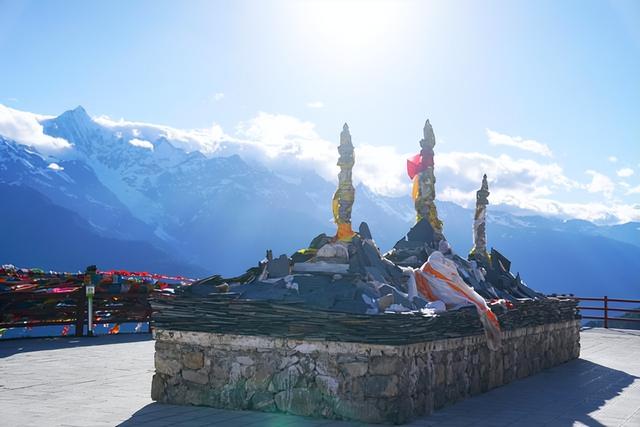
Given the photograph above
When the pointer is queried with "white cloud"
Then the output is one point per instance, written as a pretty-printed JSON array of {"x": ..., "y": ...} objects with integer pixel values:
[
  {"x": 26, "y": 129},
  {"x": 382, "y": 169},
  {"x": 315, "y": 104},
  {"x": 496, "y": 138},
  {"x": 141, "y": 143},
  {"x": 592, "y": 211},
  {"x": 288, "y": 144},
  {"x": 218, "y": 96},
  {"x": 513, "y": 181},
  {"x": 274, "y": 138},
  {"x": 612, "y": 159},
  {"x": 206, "y": 141},
  {"x": 56, "y": 167},
  {"x": 625, "y": 172},
  {"x": 600, "y": 184},
  {"x": 285, "y": 141}
]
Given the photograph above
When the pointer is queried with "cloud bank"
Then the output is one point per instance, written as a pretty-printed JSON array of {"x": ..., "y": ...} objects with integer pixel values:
[
  {"x": 26, "y": 129},
  {"x": 291, "y": 146},
  {"x": 206, "y": 141}
]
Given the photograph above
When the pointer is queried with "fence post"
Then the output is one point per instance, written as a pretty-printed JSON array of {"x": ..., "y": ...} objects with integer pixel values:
[
  {"x": 80, "y": 307},
  {"x": 606, "y": 312}
]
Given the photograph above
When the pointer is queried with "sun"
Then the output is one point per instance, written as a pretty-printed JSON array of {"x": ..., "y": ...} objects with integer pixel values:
[{"x": 349, "y": 28}]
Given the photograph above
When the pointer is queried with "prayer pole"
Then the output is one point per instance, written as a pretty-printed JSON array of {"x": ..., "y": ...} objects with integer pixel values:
[
  {"x": 344, "y": 195},
  {"x": 424, "y": 191},
  {"x": 479, "y": 250}
]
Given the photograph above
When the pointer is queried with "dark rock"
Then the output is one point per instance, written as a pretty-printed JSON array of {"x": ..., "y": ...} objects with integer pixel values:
[
  {"x": 319, "y": 241},
  {"x": 385, "y": 301},
  {"x": 301, "y": 256},
  {"x": 222, "y": 288},
  {"x": 372, "y": 255},
  {"x": 398, "y": 298},
  {"x": 263, "y": 290},
  {"x": 421, "y": 232},
  {"x": 375, "y": 273},
  {"x": 357, "y": 260},
  {"x": 419, "y": 302},
  {"x": 499, "y": 261},
  {"x": 278, "y": 267},
  {"x": 392, "y": 269},
  {"x": 364, "y": 231},
  {"x": 404, "y": 244}
]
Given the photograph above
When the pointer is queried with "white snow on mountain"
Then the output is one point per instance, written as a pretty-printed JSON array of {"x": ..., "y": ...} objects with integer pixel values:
[{"x": 55, "y": 167}]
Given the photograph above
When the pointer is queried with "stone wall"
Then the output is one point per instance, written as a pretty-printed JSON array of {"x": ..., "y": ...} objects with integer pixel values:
[{"x": 367, "y": 382}]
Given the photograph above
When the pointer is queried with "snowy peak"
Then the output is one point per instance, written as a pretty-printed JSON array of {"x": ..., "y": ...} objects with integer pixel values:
[
  {"x": 164, "y": 151},
  {"x": 77, "y": 118}
]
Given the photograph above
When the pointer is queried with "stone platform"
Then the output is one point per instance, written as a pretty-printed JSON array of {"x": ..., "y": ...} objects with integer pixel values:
[
  {"x": 345, "y": 380},
  {"x": 47, "y": 381}
]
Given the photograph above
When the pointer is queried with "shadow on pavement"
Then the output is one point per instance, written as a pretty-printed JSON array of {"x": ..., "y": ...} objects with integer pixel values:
[
  {"x": 11, "y": 347},
  {"x": 563, "y": 396},
  {"x": 560, "y": 396},
  {"x": 156, "y": 413}
]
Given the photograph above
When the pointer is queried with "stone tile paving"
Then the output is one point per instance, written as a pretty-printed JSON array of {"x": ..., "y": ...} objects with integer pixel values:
[{"x": 106, "y": 381}]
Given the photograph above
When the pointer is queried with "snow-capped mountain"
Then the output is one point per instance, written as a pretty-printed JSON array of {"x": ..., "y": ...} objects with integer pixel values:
[
  {"x": 145, "y": 185},
  {"x": 74, "y": 185}
]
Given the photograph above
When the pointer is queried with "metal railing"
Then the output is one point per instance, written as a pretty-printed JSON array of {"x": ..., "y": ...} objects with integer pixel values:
[
  {"x": 606, "y": 309},
  {"x": 33, "y": 309}
]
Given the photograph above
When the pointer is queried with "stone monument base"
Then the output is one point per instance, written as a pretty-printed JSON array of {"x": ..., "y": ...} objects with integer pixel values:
[{"x": 345, "y": 380}]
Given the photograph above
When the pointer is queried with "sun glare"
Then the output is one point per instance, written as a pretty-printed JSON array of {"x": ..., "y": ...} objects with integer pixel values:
[{"x": 350, "y": 27}]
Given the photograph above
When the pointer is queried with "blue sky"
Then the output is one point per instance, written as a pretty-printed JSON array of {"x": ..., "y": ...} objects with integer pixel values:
[{"x": 562, "y": 75}]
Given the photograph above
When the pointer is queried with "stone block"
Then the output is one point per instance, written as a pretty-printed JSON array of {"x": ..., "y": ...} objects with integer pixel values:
[
  {"x": 327, "y": 385},
  {"x": 304, "y": 402},
  {"x": 193, "y": 360},
  {"x": 262, "y": 401},
  {"x": 286, "y": 379},
  {"x": 354, "y": 369},
  {"x": 158, "y": 388},
  {"x": 381, "y": 386},
  {"x": 166, "y": 365},
  {"x": 385, "y": 365},
  {"x": 195, "y": 376}
]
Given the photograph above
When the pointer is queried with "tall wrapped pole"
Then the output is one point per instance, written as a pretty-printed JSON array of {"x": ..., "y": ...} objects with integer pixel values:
[
  {"x": 420, "y": 169},
  {"x": 479, "y": 250},
  {"x": 345, "y": 194}
]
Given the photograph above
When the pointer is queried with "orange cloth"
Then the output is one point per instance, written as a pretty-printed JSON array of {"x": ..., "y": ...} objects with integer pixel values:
[{"x": 345, "y": 233}]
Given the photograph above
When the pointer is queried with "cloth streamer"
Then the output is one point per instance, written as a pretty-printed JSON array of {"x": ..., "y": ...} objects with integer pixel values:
[{"x": 438, "y": 280}]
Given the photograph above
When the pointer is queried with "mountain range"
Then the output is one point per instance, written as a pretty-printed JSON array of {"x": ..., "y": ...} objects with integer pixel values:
[{"x": 133, "y": 198}]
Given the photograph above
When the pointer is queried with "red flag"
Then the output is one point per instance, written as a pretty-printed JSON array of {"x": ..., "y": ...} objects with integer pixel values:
[
  {"x": 418, "y": 163},
  {"x": 414, "y": 165}
]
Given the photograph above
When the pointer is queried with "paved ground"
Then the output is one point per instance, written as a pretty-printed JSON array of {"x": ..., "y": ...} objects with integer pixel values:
[{"x": 106, "y": 381}]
